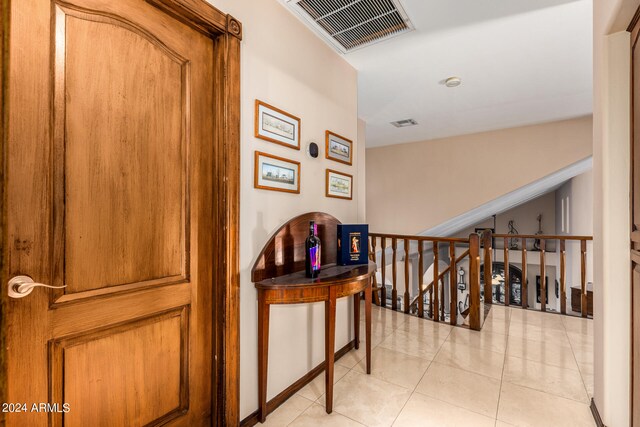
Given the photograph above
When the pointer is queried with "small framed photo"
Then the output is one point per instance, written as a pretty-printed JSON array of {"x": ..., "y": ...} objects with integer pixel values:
[
  {"x": 277, "y": 126},
  {"x": 339, "y": 185},
  {"x": 338, "y": 148},
  {"x": 276, "y": 173}
]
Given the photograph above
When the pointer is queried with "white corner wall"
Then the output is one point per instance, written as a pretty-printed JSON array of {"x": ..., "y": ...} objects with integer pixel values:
[
  {"x": 579, "y": 207},
  {"x": 611, "y": 138},
  {"x": 612, "y": 288},
  {"x": 286, "y": 65},
  {"x": 574, "y": 216}
]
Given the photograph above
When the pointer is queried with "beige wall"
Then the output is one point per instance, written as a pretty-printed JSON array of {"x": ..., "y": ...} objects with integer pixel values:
[
  {"x": 361, "y": 178},
  {"x": 416, "y": 186},
  {"x": 611, "y": 209},
  {"x": 286, "y": 65}
]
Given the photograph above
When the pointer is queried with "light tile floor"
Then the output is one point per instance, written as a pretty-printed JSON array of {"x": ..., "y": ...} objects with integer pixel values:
[{"x": 525, "y": 368}]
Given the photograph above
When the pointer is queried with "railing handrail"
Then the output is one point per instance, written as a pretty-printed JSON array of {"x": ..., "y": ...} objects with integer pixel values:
[
  {"x": 541, "y": 236},
  {"x": 418, "y": 238}
]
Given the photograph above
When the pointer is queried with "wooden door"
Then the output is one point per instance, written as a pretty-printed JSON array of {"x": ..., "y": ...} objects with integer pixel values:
[
  {"x": 635, "y": 221},
  {"x": 114, "y": 190}
]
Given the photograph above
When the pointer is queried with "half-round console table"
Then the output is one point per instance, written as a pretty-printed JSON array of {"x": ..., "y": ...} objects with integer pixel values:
[{"x": 289, "y": 286}]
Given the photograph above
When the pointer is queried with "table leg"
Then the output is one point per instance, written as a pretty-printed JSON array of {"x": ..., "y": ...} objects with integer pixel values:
[
  {"x": 329, "y": 344},
  {"x": 263, "y": 354},
  {"x": 367, "y": 310},
  {"x": 356, "y": 318}
]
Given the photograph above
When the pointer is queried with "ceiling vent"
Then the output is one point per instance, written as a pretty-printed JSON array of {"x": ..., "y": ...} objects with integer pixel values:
[
  {"x": 353, "y": 24},
  {"x": 404, "y": 123}
]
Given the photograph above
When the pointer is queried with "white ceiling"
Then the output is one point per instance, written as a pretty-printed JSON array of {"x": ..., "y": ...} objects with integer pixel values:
[{"x": 521, "y": 62}]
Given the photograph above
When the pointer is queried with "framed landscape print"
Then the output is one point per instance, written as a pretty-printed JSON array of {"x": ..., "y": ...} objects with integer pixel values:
[
  {"x": 339, "y": 185},
  {"x": 277, "y": 126},
  {"x": 276, "y": 173},
  {"x": 338, "y": 148}
]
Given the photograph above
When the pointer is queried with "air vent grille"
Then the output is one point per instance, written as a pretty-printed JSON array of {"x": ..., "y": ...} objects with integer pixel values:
[
  {"x": 404, "y": 123},
  {"x": 352, "y": 24}
]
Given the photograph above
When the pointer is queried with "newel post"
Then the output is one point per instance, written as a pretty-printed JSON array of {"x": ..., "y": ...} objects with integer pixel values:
[{"x": 475, "y": 306}]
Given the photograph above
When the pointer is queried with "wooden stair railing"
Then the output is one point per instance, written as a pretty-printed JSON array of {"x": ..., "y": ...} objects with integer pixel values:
[
  {"x": 544, "y": 242},
  {"x": 436, "y": 287},
  {"x": 420, "y": 297},
  {"x": 374, "y": 287},
  {"x": 481, "y": 251}
]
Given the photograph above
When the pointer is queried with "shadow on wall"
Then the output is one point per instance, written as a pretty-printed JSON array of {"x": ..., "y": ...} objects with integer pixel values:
[
  {"x": 259, "y": 234},
  {"x": 435, "y": 15}
]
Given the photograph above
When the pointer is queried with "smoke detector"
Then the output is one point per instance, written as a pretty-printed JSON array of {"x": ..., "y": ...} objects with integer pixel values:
[{"x": 453, "y": 82}]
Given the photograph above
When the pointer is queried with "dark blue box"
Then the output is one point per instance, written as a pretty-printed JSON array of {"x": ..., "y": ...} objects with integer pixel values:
[{"x": 353, "y": 244}]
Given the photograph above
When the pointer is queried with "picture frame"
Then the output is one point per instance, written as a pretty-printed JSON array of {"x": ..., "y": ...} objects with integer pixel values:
[
  {"x": 338, "y": 148},
  {"x": 275, "y": 125},
  {"x": 339, "y": 185},
  {"x": 276, "y": 173}
]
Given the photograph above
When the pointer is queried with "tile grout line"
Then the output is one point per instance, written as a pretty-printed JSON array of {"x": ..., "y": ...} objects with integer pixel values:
[
  {"x": 303, "y": 411},
  {"x": 394, "y": 329},
  {"x": 507, "y": 336},
  {"x": 576, "y": 360},
  {"x": 542, "y": 363},
  {"x": 423, "y": 375},
  {"x": 455, "y": 367},
  {"x": 546, "y": 363},
  {"x": 405, "y": 403},
  {"x": 548, "y": 394},
  {"x": 410, "y": 396},
  {"x": 317, "y": 401},
  {"x": 453, "y": 404},
  {"x": 504, "y": 363},
  {"x": 467, "y": 369}
]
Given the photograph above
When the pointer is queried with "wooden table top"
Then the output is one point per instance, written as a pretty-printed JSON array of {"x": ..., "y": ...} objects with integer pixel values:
[
  {"x": 579, "y": 287},
  {"x": 329, "y": 275}
]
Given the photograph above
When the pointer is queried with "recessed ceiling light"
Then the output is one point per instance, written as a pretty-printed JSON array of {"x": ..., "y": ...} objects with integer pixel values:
[{"x": 453, "y": 82}]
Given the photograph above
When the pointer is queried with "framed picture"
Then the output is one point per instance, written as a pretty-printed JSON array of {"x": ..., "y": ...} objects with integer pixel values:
[
  {"x": 338, "y": 148},
  {"x": 276, "y": 173},
  {"x": 277, "y": 126},
  {"x": 339, "y": 185}
]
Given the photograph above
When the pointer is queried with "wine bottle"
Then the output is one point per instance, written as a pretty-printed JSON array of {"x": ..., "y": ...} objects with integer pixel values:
[{"x": 312, "y": 248}]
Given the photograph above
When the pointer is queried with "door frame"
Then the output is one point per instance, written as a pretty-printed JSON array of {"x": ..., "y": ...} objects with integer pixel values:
[
  {"x": 226, "y": 33},
  {"x": 633, "y": 29}
]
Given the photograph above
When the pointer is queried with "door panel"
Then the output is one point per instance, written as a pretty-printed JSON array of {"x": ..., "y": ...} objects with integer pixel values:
[
  {"x": 122, "y": 387},
  {"x": 110, "y": 193},
  {"x": 107, "y": 179}
]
